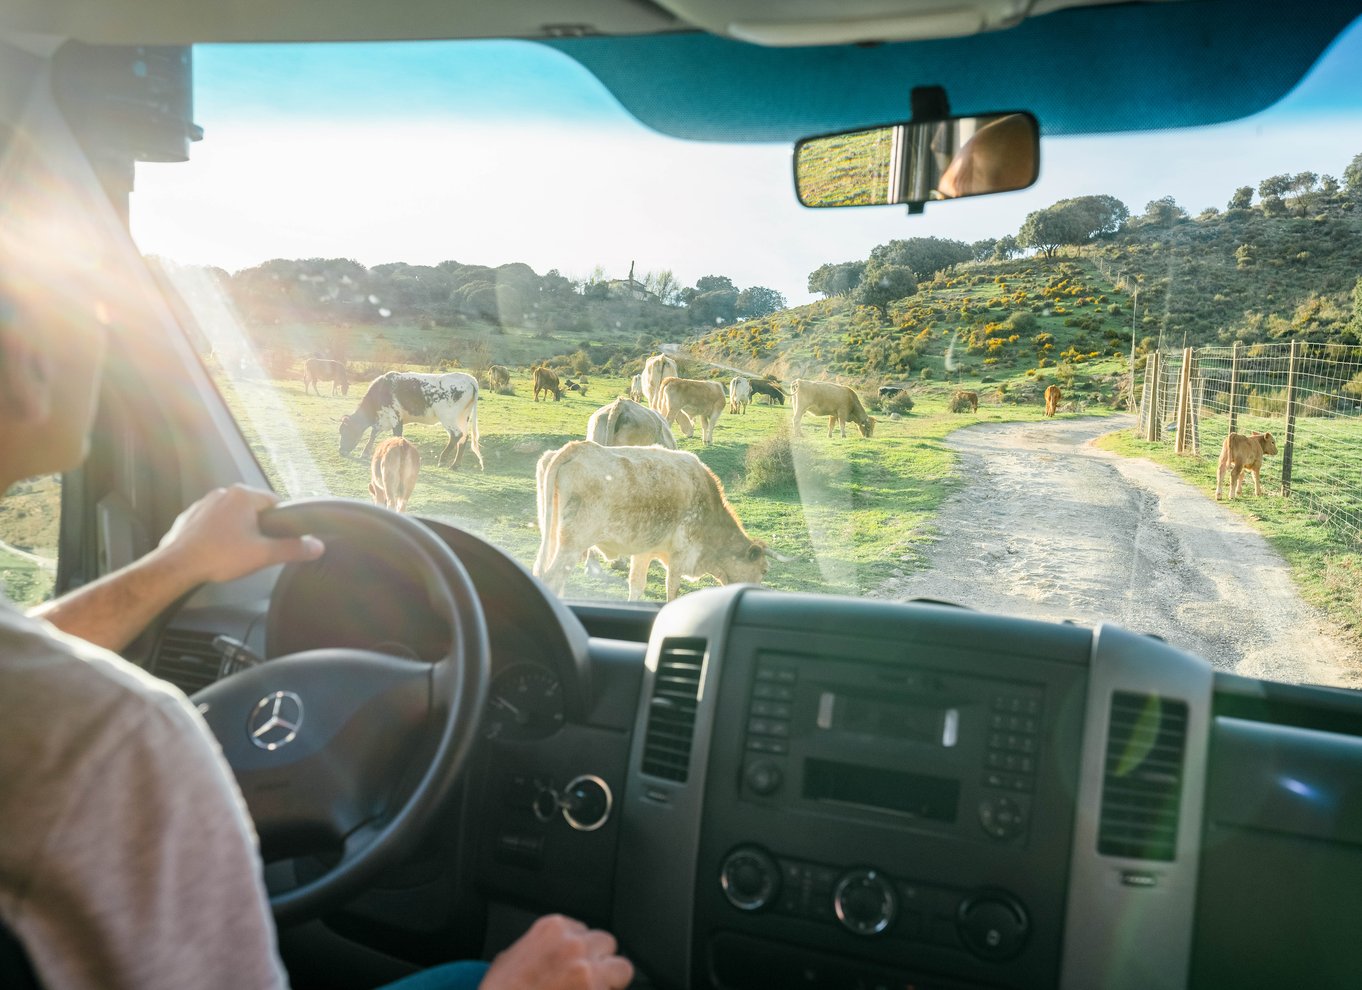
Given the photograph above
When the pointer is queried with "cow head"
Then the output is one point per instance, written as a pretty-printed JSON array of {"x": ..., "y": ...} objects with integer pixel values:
[
  {"x": 352, "y": 427},
  {"x": 748, "y": 565},
  {"x": 1269, "y": 445},
  {"x": 867, "y": 426}
]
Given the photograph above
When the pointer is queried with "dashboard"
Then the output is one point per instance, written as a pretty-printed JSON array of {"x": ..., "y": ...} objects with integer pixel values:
[{"x": 792, "y": 790}]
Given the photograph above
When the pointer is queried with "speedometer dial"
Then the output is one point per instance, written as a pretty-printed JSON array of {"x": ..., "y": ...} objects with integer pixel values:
[{"x": 525, "y": 702}]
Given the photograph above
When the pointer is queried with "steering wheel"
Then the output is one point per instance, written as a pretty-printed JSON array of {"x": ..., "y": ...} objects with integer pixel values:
[{"x": 352, "y": 750}]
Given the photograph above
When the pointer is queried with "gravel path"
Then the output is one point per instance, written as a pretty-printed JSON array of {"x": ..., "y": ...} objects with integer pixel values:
[{"x": 1050, "y": 527}]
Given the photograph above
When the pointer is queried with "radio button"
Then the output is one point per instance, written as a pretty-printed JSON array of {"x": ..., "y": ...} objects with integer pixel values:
[
  {"x": 993, "y": 926},
  {"x": 749, "y": 878},
  {"x": 865, "y": 902},
  {"x": 764, "y": 777},
  {"x": 1001, "y": 817}
]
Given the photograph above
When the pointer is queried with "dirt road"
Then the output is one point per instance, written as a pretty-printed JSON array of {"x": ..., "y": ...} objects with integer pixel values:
[{"x": 1049, "y": 526}]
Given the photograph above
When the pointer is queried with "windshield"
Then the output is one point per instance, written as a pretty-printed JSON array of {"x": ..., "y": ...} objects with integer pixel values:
[{"x": 361, "y": 214}]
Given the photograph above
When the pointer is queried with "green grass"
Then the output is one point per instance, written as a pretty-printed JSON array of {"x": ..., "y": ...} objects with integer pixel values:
[
  {"x": 862, "y": 513},
  {"x": 845, "y": 169},
  {"x": 30, "y": 517},
  {"x": 1325, "y": 563}
]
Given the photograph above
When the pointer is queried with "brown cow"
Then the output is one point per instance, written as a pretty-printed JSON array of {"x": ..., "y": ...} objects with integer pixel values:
[
  {"x": 963, "y": 398},
  {"x": 837, "y": 402},
  {"x": 684, "y": 400},
  {"x": 392, "y": 473},
  {"x": 643, "y": 503},
  {"x": 546, "y": 381},
  {"x": 1052, "y": 397},
  {"x": 1240, "y": 453},
  {"x": 324, "y": 370}
]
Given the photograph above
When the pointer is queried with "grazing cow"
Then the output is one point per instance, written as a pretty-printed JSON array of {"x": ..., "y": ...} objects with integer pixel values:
[
  {"x": 392, "y": 473},
  {"x": 657, "y": 368},
  {"x": 546, "y": 381},
  {"x": 889, "y": 391},
  {"x": 837, "y": 402},
  {"x": 643, "y": 503},
  {"x": 1240, "y": 453},
  {"x": 636, "y": 388},
  {"x": 499, "y": 376},
  {"x": 1052, "y": 397},
  {"x": 962, "y": 398},
  {"x": 625, "y": 423},
  {"x": 686, "y": 400},
  {"x": 739, "y": 395},
  {"x": 401, "y": 397},
  {"x": 770, "y": 389},
  {"x": 323, "y": 370}
]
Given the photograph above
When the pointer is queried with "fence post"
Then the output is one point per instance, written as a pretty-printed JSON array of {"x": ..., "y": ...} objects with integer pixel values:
[
  {"x": 1287, "y": 448},
  {"x": 1234, "y": 387},
  {"x": 1182, "y": 414},
  {"x": 1199, "y": 391},
  {"x": 1150, "y": 431}
]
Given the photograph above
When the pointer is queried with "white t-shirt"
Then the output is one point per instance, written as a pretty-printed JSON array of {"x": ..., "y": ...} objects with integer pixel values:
[{"x": 127, "y": 859}]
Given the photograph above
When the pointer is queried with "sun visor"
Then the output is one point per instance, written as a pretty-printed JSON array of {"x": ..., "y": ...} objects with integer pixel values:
[{"x": 1080, "y": 71}]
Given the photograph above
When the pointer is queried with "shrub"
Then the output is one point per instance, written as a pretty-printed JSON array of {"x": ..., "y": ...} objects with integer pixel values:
[
  {"x": 925, "y": 374},
  {"x": 770, "y": 464},
  {"x": 899, "y": 402},
  {"x": 959, "y": 403}
]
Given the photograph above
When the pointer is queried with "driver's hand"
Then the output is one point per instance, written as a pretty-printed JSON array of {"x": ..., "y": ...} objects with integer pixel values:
[
  {"x": 218, "y": 538},
  {"x": 558, "y": 953}
]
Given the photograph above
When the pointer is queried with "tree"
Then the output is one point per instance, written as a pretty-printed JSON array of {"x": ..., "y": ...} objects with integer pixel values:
[
  {"x": 662, "y": 284},
  {"x": 883, "y": 284},
  {"x": 1329, "y": 186},
  {"x": 1044, "y": 230},
  {"x": 758, "y": 300},
  {"x": 1072, "y": 221},
  {"x": 1242, "y": 198},
  {"x": 924, "y": 256},
  {"x": 714, "y": 283},
  {"x": 1163, "y": 212},
  {"x": 1303, "y": 187},
  {"x": 1275, "y": 185},
  {"x": 1352, "y": 178},
  {"x": 983, "y": 250},
  {"x": 714, "y": 308},
  {"x": 1005, "y": 247},
  {"x": 836, "y": 279}
]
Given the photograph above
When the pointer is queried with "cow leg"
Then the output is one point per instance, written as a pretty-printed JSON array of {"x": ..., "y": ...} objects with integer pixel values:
[
  {"x": 638, "y": 575},
  {"x": 373, "y": 439},
  {"x": 457, "y": 440},
  {"x": 673, "y": 578},
  {"x": 1219, "y": 478},
  {"x": 1257, "y": 481},
  {"x": 1236, "y": 479},
  {"x": 377, "y": 494}
]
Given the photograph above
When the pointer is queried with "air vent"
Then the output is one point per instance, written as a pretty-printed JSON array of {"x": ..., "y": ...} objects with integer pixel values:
[
  {"x": 671, "y": 713},
  {"x": 1142, "y": 783},
  {"x": 187, "y": 660}
]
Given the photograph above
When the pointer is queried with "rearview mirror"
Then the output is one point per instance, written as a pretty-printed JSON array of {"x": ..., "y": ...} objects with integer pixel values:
[{"x": 919, "y": 161}]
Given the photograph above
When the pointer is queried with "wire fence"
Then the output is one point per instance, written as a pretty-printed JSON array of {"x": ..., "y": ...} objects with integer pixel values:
[{"x": 1307, "y": 395}]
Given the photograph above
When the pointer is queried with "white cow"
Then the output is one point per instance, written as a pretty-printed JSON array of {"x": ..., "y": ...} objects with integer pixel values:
[
  {"x": 655, "y": 370},
  {"x": 739, "y": 394},
  {"x": 643, "y": 503},
  {"x": 636, "y": 388},
  {"x": 686, "y": 401},
  {"x": 402, "y": 397},
  {"x": 625, "y": 423}
]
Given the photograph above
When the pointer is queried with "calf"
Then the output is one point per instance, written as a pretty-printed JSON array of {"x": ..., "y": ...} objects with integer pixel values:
[
  {"x": 1240, "y": 453},
  {"x": 402, "y": 397},
  {"x": 1052, "y": 397},
  {"x": 962, "y": 398},
  {"x": 837, "y": 402},
  {"x": 323, "y": 370},
  {"x": 392, "y": 473},
  {"x": 685, "y": 401},
  {"x": 739, "y": 395},
  {"x": 889, "y": 391},
  {"x": 636, "y": 388},
  {"x": 645, "y": 503}
]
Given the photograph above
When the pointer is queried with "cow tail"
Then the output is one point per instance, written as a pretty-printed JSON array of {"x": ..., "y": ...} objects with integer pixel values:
[
  {"x": 547, "y": 493},
  {"x": 611, "y": 422},
  {"x": 473, "y": 433}
]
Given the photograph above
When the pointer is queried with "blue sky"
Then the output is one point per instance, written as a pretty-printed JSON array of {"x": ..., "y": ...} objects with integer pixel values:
[{"x": 493, "y": 152}]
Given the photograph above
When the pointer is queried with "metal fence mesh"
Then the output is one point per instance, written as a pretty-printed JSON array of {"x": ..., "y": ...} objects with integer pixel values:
[{"x": 1319, "y": 437}]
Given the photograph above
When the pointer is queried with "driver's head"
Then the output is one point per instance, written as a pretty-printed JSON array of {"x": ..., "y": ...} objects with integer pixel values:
[{"x": 62, "y": 284}]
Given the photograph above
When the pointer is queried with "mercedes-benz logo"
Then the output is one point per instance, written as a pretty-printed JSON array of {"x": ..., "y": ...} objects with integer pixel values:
[{"x": 275, "y": 720}]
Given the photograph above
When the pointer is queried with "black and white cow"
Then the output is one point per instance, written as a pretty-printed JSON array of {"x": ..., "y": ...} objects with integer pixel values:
[{"x": 401, "y": 397}]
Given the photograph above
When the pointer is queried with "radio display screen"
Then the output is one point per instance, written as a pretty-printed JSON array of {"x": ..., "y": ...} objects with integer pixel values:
[
  {"x": 936, "y": 798},
  {"x": 888, "y": 718}
]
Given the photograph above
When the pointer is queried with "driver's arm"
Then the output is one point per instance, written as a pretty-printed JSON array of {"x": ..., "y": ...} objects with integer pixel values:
[{"x": 217, "y": 538}]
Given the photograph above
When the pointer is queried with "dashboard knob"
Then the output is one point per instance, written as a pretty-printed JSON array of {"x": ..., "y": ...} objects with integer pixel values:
[
  {"x": 764, "y": 777},
  {"x": 750, "y": 878},
  {"x": 993, "y": 925},
  {"x": 865, "y": 902},
  {"x": 586, "y": 803},
  {"x": 1001, "y": 817}
]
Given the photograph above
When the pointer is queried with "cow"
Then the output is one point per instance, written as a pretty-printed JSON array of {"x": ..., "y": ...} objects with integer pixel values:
[
  {"x": 392, "y": 473},
  {"x": 655, "y": 369},
  {"x": 636, "y": 388},
  {"x": 625, "y": 423},
  {"x": 1240, "y": 453},
  {"x": 1052, "y": 397},
  {"x": 645, "y": 503},
  {"x": 772, "y": 390},
  {"x": 323, "y": 370},
  {"x": 889, "y": 391},
  {"x": 546, "y": 381},
  {"x": 572, "y": 386},
  {"x": 739, "y": 395},
  {"x": 498, "y": 376},
  {"x": 963, "y": 398},
  {"x": 686, "y": 400},
  {"x": 837, "y": 402},
  {"x": 402, "y": 397}
]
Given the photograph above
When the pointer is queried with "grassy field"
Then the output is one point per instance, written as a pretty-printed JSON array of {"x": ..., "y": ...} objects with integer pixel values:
[
  {"x": 1326, "y": 565},
  {"x": 30, "y": 517},
  {"x": 860, "y": 513},
  {"x": 846, "y": 169}
]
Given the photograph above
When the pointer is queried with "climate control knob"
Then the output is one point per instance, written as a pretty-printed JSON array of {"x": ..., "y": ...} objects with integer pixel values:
[
  {"x": 865, "y": 902},
  {"x": 993, "y": 925},
  {"x": 750, "y": 878}
]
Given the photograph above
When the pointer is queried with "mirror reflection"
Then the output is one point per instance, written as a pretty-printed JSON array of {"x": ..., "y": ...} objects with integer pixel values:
[{"x": 919, "y": 161}]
